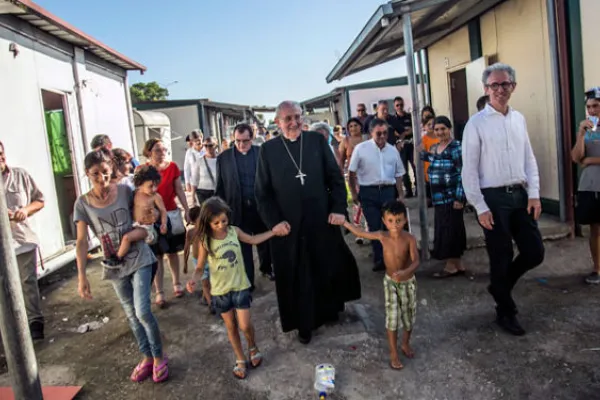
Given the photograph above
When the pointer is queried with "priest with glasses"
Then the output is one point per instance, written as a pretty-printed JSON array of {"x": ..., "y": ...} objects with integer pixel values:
[{"x": 300, "y": 190}]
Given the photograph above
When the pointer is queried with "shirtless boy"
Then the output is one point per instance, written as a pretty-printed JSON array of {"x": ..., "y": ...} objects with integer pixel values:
[
  {"x": 148, "y": 210},
  {"x": 401, "y": 259}
]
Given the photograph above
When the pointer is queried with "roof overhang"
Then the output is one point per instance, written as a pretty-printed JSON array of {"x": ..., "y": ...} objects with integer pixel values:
[
  {"x": 382, "y": 38},
  {"x": 51, "y": 24},
  {"x": 321, "y": 101}
]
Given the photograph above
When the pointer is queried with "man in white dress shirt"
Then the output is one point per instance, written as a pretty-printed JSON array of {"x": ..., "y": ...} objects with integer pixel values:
[
  {"x": 377, "y": 166},
  {"x": 501, "y": 180}
]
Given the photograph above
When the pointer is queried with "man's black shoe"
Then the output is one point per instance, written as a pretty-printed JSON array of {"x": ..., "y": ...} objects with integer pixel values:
[
  {"x": 304, "y": 337},
  {"x": 379, "y": 267},
  {"x": 36, "y": 328},
  {"x": 269, "y": 275},
  {"x": 510, "y": 325}
]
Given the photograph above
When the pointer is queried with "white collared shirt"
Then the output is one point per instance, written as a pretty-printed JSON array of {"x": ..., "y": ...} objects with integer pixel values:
[
  {"x": 375, "y": 166},
  {"x": 496, "y": 152}
]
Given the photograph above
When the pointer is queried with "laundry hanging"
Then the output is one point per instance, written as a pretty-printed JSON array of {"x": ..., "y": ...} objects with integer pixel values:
[{"x": 59, "y": 144}]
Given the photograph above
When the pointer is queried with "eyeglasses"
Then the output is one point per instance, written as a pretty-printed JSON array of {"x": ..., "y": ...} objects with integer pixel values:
[
  {"x": 290, "y": 118},
  {"x": 381, "y": 133},
  {"x": 209, "y": 145},
  {"x": 506, "y": 85},
  {"x": 397, "y": 105}
]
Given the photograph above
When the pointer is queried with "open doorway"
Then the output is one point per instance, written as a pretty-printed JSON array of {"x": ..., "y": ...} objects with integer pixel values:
[
  {"x": 61, "y": 150},
  {"x": 459, "y": 101}
]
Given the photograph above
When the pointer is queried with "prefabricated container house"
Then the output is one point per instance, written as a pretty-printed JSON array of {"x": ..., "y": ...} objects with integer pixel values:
[{"x": 59, "y": 88}]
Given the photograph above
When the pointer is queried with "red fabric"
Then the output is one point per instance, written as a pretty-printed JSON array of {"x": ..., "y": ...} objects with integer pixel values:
[{"x": 166, "y": 188}]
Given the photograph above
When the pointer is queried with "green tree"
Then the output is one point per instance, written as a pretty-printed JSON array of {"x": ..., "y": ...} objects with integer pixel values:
[
  {"x": 261, "y": 117},
  {"x": 150, "y": 91}
]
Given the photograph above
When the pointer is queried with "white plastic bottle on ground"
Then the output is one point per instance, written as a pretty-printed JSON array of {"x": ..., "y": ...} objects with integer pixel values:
[{"x": 324, "y": 380}]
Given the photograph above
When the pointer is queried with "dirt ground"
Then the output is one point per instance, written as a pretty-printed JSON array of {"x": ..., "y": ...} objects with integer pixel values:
[{"x": 460, "y": 352}]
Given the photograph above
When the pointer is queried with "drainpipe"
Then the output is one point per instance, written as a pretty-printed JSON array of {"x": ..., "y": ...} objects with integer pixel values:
[
  {"x": 130, "y": 117},
  {"x": 78, "y": 54},
  {"x": 561, "y": 34},
  {"x": 412, "y": 80}
]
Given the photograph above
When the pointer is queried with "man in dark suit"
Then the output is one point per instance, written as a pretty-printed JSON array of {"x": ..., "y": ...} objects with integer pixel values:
[{"x": 236, "y": 172}]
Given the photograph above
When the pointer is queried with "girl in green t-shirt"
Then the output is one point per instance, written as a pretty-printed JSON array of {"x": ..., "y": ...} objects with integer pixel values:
[{"x": 219, "y": 243}]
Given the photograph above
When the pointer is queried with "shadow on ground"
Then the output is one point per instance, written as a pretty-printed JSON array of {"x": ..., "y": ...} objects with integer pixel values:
[{"x": 460, "y": 353}]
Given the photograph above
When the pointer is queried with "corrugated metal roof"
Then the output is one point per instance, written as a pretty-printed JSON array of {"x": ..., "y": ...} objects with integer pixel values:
[
  {"x": 382, "y": 38},
  {"x": 51, "y": 24}
]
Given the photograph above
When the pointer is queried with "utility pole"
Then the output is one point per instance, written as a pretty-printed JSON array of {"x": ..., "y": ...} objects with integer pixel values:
[{"x": 16, "y": 338}]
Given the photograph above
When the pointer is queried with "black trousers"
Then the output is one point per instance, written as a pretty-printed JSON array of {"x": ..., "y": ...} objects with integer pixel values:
[
  {"x": 511, "y": 222},
  {"x": 252, "y": 224},
  {"x": 202, "y": 195},
  {"x": 407, "y": 154}
]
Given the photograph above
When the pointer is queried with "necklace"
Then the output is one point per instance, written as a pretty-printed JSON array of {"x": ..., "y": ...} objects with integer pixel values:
[
  {"x": 301, "y": 175},
  {"x": 103, "y": 197}
]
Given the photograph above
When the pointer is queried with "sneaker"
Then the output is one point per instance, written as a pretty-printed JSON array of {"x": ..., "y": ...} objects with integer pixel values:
[
  {"x": 359, "y": 241},
  {"x": 36, "y": 328},
  {"x": 593, "y": 278}
]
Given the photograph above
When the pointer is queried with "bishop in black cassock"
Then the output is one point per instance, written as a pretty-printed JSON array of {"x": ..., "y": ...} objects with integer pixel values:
[{"x": 315, "y": 271}]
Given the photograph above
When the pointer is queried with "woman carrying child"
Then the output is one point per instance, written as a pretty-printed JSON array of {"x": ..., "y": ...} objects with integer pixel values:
[
  {"x": 106, "y": 209},
  {"x": 448, "y": 197},
  {"x": 219, "y": 243}
]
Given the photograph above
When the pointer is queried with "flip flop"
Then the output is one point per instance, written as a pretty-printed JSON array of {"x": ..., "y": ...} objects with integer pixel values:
[
  {"x": 240, "y": 372},
  {"x": 256, "y": 358},
  {"x": 445, "y": 274},
  {"x": 160, "y": 300},
  {"x": 142, "y": 371},
  {"x": 160, "y": 373}
]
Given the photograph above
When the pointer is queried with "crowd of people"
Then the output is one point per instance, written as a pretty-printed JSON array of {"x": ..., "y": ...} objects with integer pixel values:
[{"x": 289, "y": 197}]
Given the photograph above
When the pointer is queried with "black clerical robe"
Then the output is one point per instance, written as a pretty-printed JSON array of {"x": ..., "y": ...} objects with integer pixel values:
[{"x": 315, "y": 271}]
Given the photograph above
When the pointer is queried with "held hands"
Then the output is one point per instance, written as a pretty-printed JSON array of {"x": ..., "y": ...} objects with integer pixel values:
[
  {"x": 84, "y": 289},
  {"x": 486, "y": 220},
  {"x": 336, "y": 219},
  {"x": 281, "y": 229},
  {"x": 190, "y": 286},
  {"x": 534, "y": 206}
]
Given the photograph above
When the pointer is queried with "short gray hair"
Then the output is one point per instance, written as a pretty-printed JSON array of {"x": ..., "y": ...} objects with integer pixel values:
[
  {"x": 500, "y": 68},
  {"x": 317, "y": 126},
  {"x": 287, "y": 104}
]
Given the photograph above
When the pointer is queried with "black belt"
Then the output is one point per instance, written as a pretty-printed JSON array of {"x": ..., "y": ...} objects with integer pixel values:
[
  {"x": 379, "y": 187},
  {"x": 507, "y": 189}
]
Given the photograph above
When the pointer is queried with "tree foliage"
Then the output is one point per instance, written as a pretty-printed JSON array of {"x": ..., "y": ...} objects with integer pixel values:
[
  {"x": 261, "y": 117},
  {"x": 150, "y": 91}
]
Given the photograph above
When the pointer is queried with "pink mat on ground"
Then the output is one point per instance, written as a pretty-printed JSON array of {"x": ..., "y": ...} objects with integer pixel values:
[{"x": 49, "y": 392}]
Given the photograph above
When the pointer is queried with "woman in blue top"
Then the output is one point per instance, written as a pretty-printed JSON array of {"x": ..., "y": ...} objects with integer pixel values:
[
  {"x": 586, "y": 153},
  {"x": 448, "y": 198}
]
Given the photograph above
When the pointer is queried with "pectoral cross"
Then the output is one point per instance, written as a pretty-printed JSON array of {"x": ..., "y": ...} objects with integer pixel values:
[{"x": 301, "y": 175}]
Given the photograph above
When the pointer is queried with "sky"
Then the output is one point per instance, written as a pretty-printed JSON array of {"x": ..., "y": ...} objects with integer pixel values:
[{"x": 255, "y": 52}]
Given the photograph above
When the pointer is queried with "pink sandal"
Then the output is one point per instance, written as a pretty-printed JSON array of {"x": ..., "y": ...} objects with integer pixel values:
[
  {"x": 178, "y": 290},
  {"x": 142, "y": 371},
  {"x": 160, "y": 372}
]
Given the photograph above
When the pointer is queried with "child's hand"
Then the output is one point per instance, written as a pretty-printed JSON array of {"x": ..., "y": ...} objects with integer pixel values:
[
  {"x": 399, "y": 275},
  {"x": 191, "y": 286},
  {"x": 163, "y": 229}
]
